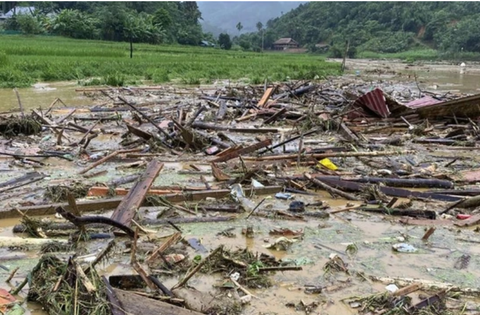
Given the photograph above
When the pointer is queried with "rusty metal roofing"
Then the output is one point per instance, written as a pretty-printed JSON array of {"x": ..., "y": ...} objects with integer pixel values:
[{"x": 373, "y": 101}]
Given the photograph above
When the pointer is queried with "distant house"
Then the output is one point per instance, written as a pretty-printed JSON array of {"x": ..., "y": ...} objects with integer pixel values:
[
  {"x": 285, "y": 43},
  {"x": 205, "y": 43},
  {"x": 17, "y": 10}
]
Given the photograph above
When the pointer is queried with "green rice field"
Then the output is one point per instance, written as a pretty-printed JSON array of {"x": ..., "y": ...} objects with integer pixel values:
[{"x": 27, "y": 60}]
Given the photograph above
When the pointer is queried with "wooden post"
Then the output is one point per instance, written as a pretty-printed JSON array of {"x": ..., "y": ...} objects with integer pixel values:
[{"x": 127, "y": 209}]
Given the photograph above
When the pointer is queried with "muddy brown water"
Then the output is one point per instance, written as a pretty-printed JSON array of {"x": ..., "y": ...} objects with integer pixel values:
[{"x": 373, "y": 234}]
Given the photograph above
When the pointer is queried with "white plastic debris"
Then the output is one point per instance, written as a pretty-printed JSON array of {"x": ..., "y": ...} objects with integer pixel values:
[
  {"x": 404, "y": 248},
  {"x": 391, "y": 288}
]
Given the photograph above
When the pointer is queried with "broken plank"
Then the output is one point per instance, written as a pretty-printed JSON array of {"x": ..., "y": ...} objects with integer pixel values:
[
  {"x": 139, "y": 132},
  {"x": 268, "y": 93},
  {"x": 137, "y": 304},
  {"x": 104, "y": 191},
  {"x": 202, "y": 125},
  {"x": 112, "y": 203},
  {"x": 127, "y": 209},
  {"x": 249, "y": 149}
]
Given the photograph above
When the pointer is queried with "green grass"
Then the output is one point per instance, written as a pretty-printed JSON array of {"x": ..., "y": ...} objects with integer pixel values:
[
  {"x": 26, "y": 60},
  {"x": 410, "y": 55}
]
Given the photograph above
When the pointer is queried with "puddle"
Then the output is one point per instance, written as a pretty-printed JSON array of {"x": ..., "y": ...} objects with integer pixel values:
[{"x": 42, "y": 95}]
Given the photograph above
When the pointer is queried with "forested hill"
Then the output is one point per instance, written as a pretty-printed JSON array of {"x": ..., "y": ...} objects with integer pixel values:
[
  {"x": 224, "y": 16},
  {"x": 381, "y": 26}
]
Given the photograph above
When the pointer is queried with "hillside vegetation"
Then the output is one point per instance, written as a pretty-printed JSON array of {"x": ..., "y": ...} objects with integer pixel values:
[{"x": 381, "y": 27}]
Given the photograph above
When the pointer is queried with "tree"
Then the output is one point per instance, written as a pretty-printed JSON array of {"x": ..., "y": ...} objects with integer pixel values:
[
  {"x": 239, "y": 26},
  {"x": 29, "y": 24},
  {"x": 259, "y": 26},
  {"x": 224, "y": 41}
]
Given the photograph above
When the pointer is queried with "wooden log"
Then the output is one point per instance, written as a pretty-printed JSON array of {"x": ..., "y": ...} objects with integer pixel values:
[
  {"x": 328, "y": 154},
  {"x": 249, "y": 149},
  {"x": 428, "y": 214},
  {"x": 330, "y": 189},
  {"x": 112, "y": 203},
  {"x": 133, "y": 303},
  {"x": 127, "y": 209}
]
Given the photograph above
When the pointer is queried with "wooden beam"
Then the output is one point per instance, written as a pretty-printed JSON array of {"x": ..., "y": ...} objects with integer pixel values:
[
  {"x": 112, "y": 203},
  {"x": 127, "y": 209},
  {"x": 268, "y": 93}
]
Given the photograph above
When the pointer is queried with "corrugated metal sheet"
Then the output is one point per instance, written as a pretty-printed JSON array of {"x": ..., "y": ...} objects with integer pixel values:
[
  {"x": 373, "y": 101},
  {"x": 421, "y": 102}
]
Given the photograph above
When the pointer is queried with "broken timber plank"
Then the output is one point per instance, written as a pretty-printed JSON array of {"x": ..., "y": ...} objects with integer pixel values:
[
  {"x": 112, "y": 203},
  {"x": 202, "y": 125},
  {"x": 268, "y": 93},
  {"x": 127, "y": 209},
  {"x": 139, "y": 132},
  {"x": 136, "y": 304},
  {"x": 249, "y": 149}
]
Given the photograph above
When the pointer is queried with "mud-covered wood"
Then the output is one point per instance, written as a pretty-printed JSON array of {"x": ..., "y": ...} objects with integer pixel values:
[
  {"x": 136, "y": 304},
  {"x": 127, "y": 209}
]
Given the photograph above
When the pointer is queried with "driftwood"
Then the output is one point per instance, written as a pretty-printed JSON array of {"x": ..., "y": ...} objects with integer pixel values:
[{"x": 249, "y": 149}]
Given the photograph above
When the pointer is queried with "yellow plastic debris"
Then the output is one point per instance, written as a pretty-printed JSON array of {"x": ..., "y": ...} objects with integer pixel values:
[{"x": 328, "y": 164}]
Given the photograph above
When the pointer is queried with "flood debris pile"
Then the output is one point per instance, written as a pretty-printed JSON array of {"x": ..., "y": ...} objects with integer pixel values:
[{"x": 268, "y": 172}]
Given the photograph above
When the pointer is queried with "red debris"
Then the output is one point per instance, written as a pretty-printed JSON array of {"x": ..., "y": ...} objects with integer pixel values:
[{"x": 371, "y": 103}]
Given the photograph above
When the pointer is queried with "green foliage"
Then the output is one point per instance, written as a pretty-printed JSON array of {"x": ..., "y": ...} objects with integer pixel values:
[
  {"x": 3, "y": 59},
  {"x": 146, "y": 22},
  {"x": 224, "y": 41},
  {"x": 389, "y": 42},
  {"x": 76, "y": 24},
  {"x": 29, "y": 24},
  {"x": 382, "y": 27}
]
